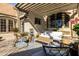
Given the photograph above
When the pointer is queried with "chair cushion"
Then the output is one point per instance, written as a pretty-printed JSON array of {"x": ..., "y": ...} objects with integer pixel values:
[
  {"x": 45, "y": 35},
  {"x": 56, "y": 35},
  {"x": 56, "y": 44}
]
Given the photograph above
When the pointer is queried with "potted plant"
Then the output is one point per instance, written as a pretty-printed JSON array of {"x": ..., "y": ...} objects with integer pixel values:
[
  {"x": 15, "y": 30},
  {"x": 24, "y": 34},
  {"x": 37, "y": 35},
  {"x": 74, "y": 50},
  {"x": 24, "y": 37},
  {"x": 76, "y": 29}
]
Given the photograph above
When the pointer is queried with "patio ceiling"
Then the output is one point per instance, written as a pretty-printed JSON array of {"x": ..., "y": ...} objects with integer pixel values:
[{"x": 45, "y": 8}]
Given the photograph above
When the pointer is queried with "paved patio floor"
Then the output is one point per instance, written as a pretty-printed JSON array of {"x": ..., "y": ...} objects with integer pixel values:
[{"x": 7, "y": 49}]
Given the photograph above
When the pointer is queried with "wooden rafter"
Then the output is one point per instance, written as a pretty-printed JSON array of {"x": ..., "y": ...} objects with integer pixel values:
[
  {"x": 19, "y": 4},
  {"x": 30, "y": 4},
  {"x": 38, "y": 6},
  {"x": 22, "y": 5},
  {"x": 23, "y": 10},
  {"x": 34, "y": 4},
  {"x": 44, "y": 8},
  {"x": 56, "y": 8}
]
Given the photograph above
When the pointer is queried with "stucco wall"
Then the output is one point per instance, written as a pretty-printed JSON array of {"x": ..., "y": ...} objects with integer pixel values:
[
  {"x": 30, "y": 21},
  {"x": 28, "y": 26}
]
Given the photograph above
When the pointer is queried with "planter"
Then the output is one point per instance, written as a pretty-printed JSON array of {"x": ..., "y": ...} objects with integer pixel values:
[
  {"x": 22, "y": 42},
  {"x": 74, "y": 50}
]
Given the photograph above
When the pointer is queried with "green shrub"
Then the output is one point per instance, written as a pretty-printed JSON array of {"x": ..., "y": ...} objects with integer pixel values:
[
  {"x": 15, "y": 30},
  {"x": 37, "y": 35},
  {"x": 24, "y": 34},
  {"x": 76, "y": 29}
]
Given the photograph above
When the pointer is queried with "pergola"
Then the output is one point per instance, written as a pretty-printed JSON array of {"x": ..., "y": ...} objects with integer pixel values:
[{"x": 45, "y": 8}]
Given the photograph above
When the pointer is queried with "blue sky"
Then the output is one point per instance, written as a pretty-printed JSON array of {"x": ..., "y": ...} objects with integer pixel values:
[{"x": 13, "y": 4}]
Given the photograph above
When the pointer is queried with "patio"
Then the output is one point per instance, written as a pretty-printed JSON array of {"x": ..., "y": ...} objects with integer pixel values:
[
  {"x": 45, "y": 33},
  {"x": 34, "y": 48},
  {"x": 8, "y": 49}
]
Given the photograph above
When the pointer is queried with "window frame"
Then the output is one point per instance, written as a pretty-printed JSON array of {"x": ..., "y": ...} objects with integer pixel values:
[
  {"x": 2, "y": 25},
  {"x": 7, "y": 22},
  {"x": 37, "y": 21}
]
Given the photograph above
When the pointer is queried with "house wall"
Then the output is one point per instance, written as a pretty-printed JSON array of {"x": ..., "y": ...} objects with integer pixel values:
[
  {"x": 8, "y": 12},
  {"x": 8, "y": 35},
  {"x": 30, "y": 23}
]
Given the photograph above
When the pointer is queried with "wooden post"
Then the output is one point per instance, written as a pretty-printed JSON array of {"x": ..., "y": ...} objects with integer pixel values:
[
  {"x": 78, "y": 9},
  {"x": 78, "y": 16},
  {"x": 45, "y": 19},
  {"x": 63, "y": 21},
  {"x": 71, "y": 30}
]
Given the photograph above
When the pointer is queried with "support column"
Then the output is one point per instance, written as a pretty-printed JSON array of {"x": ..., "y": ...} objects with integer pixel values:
[
  {"x": 45, "y": 20},
  {"x": 78, "y": 17},
  {"x": 7, "y": 25},
  {"x": 63, "y": 21},
  {"x": 78, "y": 9},
  {"x": 18, "y": 23}
]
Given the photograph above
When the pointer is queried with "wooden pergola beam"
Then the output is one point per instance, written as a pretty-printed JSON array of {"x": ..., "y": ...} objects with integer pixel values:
[
  {"x": 23, "y": 10},
  {"x": 44, "y": 8},
  {"x": 39, "y": 6},
  {"x": 27, "y": 5}
]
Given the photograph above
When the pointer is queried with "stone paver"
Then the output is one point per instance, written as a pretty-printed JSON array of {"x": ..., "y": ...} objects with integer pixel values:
[{"x": 6, "y": 47}]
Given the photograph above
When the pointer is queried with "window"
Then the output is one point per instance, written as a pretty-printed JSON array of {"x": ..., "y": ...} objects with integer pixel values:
[
  {"x": 6, "y": 25},
  {"x": 2, "y": 25},
  {"x": 10, "y": 25},
  {"x": 37, "y": 21},
  {"x": 52, "y": 21},
  {"x": 57, "y": 22}
]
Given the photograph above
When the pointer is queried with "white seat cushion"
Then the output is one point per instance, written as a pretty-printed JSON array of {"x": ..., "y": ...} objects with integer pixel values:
[
  {"x": 45, "y": 35},
  {"x": 56, "y": 35}
]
